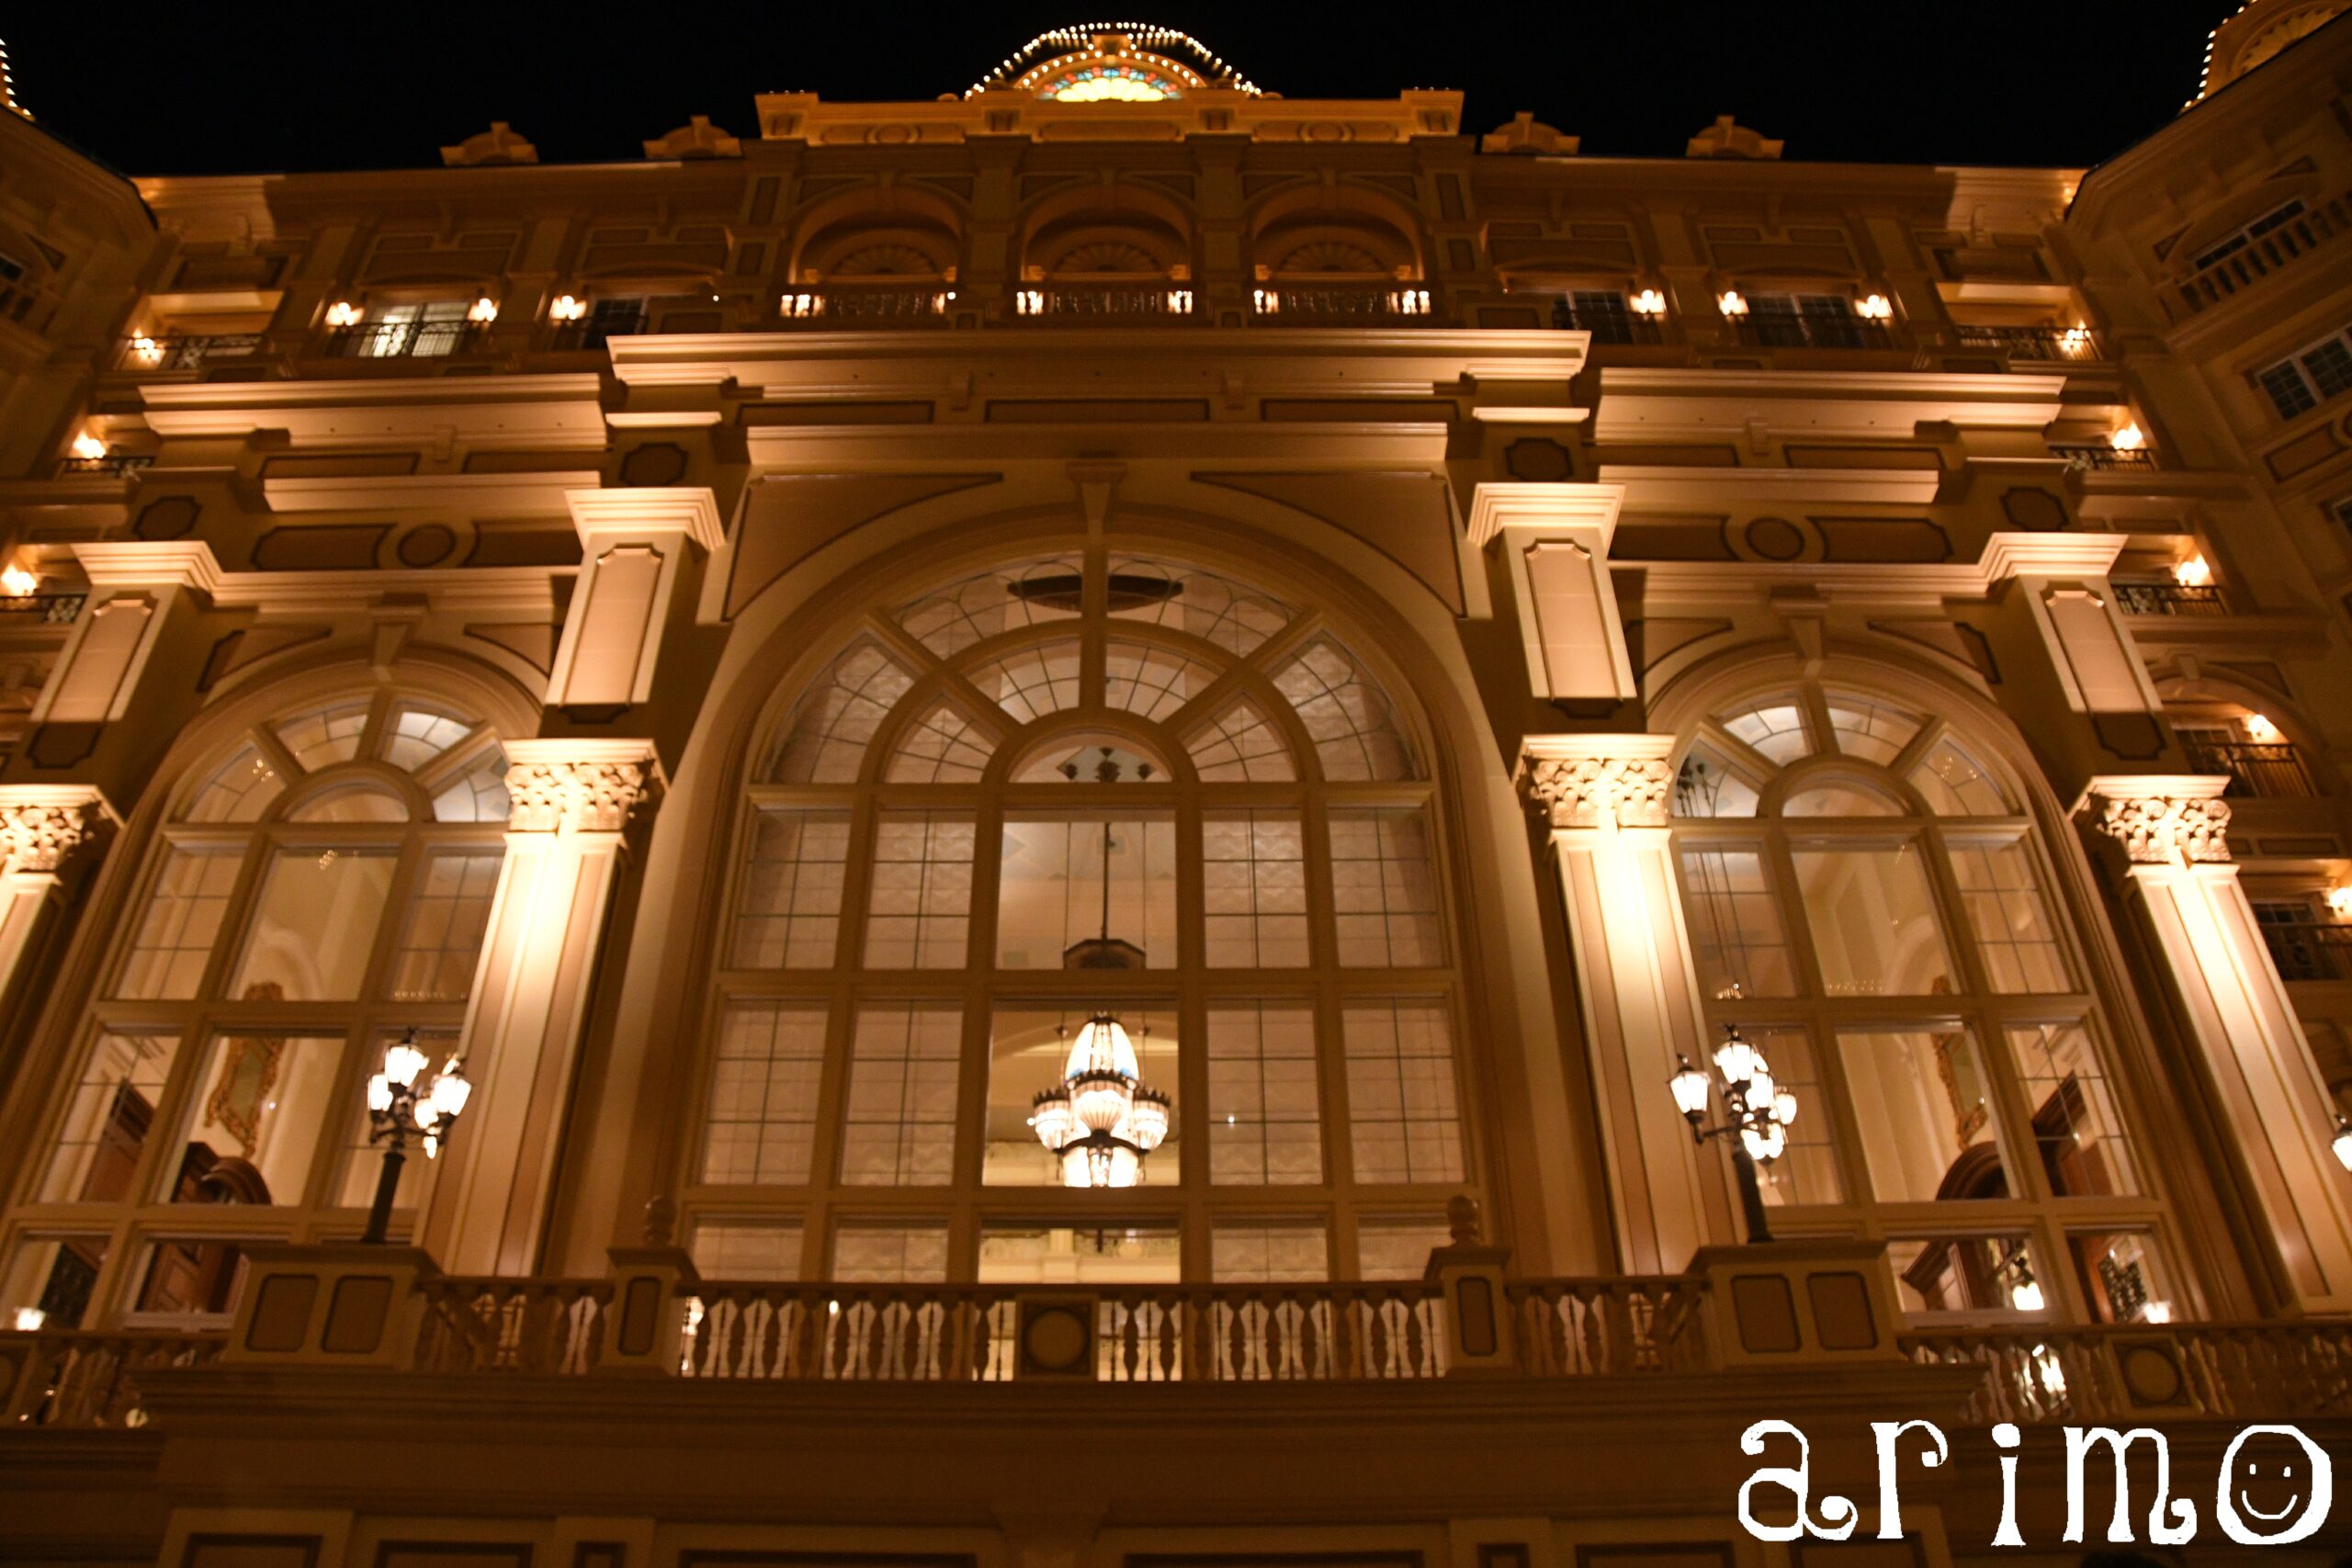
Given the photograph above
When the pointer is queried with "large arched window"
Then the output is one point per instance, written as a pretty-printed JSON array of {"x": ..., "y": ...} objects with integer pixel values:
[
  {"x": 319, "y": 884},
  {"x": 1869, "y": 901},
  {"x": 1084, "y": 782}
]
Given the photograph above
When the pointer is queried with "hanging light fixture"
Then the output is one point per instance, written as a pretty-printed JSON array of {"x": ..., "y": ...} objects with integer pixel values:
[{"x": 1102, "y": 1120}]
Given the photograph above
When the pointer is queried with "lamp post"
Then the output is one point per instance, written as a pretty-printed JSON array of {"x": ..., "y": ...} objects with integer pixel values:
[
  {"x": 399, "y": 1109},
  {"x": 1754, "y": 1107}
]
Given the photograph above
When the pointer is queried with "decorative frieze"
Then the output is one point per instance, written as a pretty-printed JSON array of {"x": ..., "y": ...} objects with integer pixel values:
[
  {"x": 1582, "y": 785},
  {"x": 2162, "y": 820},
  {"x": 41, "y": 834},
  {"x": 587, "y": 794}
]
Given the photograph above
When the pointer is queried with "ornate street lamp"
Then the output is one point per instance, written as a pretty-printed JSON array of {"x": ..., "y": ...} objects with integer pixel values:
[
  {"x": 1754, "y": 1107},
  {"x": 2342, "y": 1142},
  {"x": 399, "y": 1109}
]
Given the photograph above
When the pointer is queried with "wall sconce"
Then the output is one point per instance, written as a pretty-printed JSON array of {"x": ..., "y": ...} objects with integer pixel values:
[
  {"x": 88, "y": 447},
  {"x": 2340, "y": 900},
  {"x": 1649, "y": 302},
  {"x": 567, "y": 308},
  {"x": 1733, "y": 308},
  {"x": 2076, "y": 341},
  {"x": 147, "y": 349},
  {"x": 342, "y": 314},
  {"x": 2130, "y": 438},
  {"x": 15, "y": 581},
  {"x": 484, "y": 311},
  {"x": 2194, "y": 572},
  {"x": 2260, "y": 730},
  {"x": 1874, "y": 308},
  {"x": 1180, "y": 301}
]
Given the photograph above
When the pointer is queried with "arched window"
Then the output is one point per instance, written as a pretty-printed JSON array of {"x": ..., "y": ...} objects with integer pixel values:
[
  {"x": 1084, "y": 783},
  {"x": 320, "y": 885},
  {"x": 1870, "y": 902}
]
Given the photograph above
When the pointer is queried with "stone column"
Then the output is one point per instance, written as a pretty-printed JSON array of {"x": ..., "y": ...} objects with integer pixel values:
[
  {"x": 1638, "y": 993},
  {"x": 571, "y": 799},
  {"x": 41, "y": 828},
  {"x": 2171, "y": 832}
]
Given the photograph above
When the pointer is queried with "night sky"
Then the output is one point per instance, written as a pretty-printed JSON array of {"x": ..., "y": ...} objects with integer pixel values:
[{"x": 256, "y": 88}]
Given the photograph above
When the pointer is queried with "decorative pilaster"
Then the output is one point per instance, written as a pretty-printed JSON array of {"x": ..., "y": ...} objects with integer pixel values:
[
  {"x": 1606, "y": 798},
  {"x": 1556, "y": 541},
  {"x": 2171, "y": 834},
  {"x": 42, "y": 828},
  {"x": 572, "y": 798}
]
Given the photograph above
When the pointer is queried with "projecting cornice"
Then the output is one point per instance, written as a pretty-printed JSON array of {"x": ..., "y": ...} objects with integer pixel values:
[
  {"x": 1651, "y": 489},
  {"x": 2077, "y": 556},
  {"x": 491, "y": 494},
  {"x": 1640, "y": 404},
  {"x": 538, "y": 413}
]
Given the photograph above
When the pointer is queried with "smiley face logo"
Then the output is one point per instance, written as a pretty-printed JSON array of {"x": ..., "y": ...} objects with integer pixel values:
[{"x": 2277, "y": 1478}]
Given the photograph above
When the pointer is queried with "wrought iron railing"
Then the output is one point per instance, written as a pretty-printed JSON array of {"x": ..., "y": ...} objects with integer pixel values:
[
  {"x": 187, "y": 351},
  {"x": 857, "y": 309},
  {"x": 1338, "y": 305},
  {"x": 63, "y": 1379},
  {"x": 52, "y": 609},
  {"x": 554, "y": 1328},
  {"x": 406, "y": 339},
  {"x": 2102, "y": 1375},
  {"x": 2309, "y": 950},
  {"x": 2042, "y": 345},
  {"x": 2263, "y": 254},
  {"x": 117, "y": 464},
  {"x": 2270, "y": 770},
  {"x": 2170, "y": 599},
  {"x": 2083, "y": 456}
]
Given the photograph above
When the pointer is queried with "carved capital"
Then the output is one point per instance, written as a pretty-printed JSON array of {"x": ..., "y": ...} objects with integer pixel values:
[
  {"x": 41, "y": 834},
  {"x": 1587, "y": 792},
  {"x": 2163, "y": 821},
  {"x": 592, "y": 791}
]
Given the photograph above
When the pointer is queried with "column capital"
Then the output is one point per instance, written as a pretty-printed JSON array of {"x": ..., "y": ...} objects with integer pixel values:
[
  {"x": 42, "y": 826},
  {"x": 1599, "y": 780},
  {"x": 589, "y": 786},
  {"x": 690, "y": 510},
  {"x": 2160, "y": 819}
]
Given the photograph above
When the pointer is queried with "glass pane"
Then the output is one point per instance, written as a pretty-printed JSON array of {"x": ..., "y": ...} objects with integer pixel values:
[
  {"x": 417, "y": 735},
  {"x": 1094, "y": 1255},
  {"x": 448, "y": 914},
  {"x": 1196, "y": 601},
  {"x": 1052, "y": 895},
  {"x": 1840, "y": 798},
  {"x": 1000, "y": 600},
  {"x": 1736, "y": 925},
  {"x": 1404, "y": 1112},
  {"x": 49, "y": 1283},
  {"x": 187, "y": 1281},
  {"x": 1923, "y": 1107},
  {"x": 1807, "y": 1171},
  {"x": 788, "y": 913},
  {"x": 352, "y": 802},
  {"x": 1268, "y": 1255},
  {"x": 2124, "y": 1277},
  {"x": 1954, "y": 785},
  {"x": 181, "y": 923},
  {"x": 1775, "y": 727},
  {"x": 479, "y": 794},
  {"x": 1398, "y": 1247},
  {"x": 1383, "y": 889},
  {"x": 1967, "y": 1273},
  {"x": 259, "y": 1105},
  {"x": 881, "y": 1253},
  {"x": 920, "y": 896},
  {"x": 746, "y": 1249},
  {"x": 942, "y": 747},
  {"x": 314, "y": 926},
  {"x": 1239, "y": 744},
  {"x": 240, "y": 790},
  {"x": 1707, "y": 786},
  {"x": 1265, "y": 1115},
  {"x": 1346, "y": 714},
  {"x": 1873, "y": 920},
  {"x": 1150, "y": 681},
  {"x": 1029, "y": 1050},
  {"x": 2077, "y": 1131},
  {"x": 2006, "y": 909},
  {"x": 838, "y": 716},
  {"x": 108, "y": 1118},
  {"x": 1870, "y": 730},
  {"x": 325, "y": 736},
  {"x": 899, "y": 1124},
  {"x": 761, "y": 1125},
  {"x": 1254, "y": 889},
  {"x": 1032, "y": 683}
]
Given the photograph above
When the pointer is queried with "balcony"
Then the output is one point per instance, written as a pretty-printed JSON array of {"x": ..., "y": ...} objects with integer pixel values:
[
  {"x": 1606, "y": 324},
  {"x": 48, "y": 609},
  {"x": 2258, "y": 256},
  {"x": 2099, "y": 457},
  {"x": 2169, "y": 599},
  {"x": 866, "y": 309},
  {"x": 2258, "y": 770},
  {"x": 2040, "y": 1375},
  {"x": 1068, "y": 303},
  {"x": 114, "y": 465},
  {"x": 161, "y": 355},
  {"x": 2040, "y": 346},
  {"x": 2308, "y": 949},
  {"x": 406, "y": 339},
  {"x": 1340, "y": 306},
  {"x": 1812, "y": 331}
]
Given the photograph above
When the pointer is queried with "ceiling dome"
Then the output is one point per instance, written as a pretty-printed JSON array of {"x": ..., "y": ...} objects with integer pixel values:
[{"x": 1112, "y": 62}]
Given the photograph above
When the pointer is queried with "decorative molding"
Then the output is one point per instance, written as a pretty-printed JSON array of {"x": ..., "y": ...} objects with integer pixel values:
[
  {"x": 139, "y": 563},
  {"x": 2162, "y": 820},
  {"x": 533, "y": 492},
  {"x": 588, "y": 787},
  {"x": 1650, "y": 403},
  {"x": 1599, "y": 780},
  {"x": 690, "y": 510},
  {"x": 1564, "y": 508},
  {"x": 42, "y": 826}
]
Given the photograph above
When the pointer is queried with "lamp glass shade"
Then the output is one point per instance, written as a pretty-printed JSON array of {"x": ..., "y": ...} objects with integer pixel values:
[
  {"x": 1735, "y": 1058},
  {"x": 2026, "y": 1294},
  {"x": 1103, "y": 1045},
  {"x": 1784, "y": 1108},
  {"x": 1052, "y": 1118},
  {"x": 402, "y": 1062},
  {"x": 1761, "y": 1089},
  {"x": 451, "y": 1090},
  {"x": 1147, "y": 1120},
  {"x": 1100, "y": 1097},
  {"x": 379, "y": 1093},
  {"x": 1689, "y": 1088}
]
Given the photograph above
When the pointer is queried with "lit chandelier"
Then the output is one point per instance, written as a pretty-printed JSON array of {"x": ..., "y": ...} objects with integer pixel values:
[{"x": 1100, "y": 1120}]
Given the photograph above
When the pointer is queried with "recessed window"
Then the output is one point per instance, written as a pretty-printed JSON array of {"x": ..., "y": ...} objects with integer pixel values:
[{"x": 2310, "y": 376}]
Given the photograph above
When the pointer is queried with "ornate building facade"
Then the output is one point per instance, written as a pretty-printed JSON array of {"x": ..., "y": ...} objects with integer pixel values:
[{"x": 1117, "y": 730}]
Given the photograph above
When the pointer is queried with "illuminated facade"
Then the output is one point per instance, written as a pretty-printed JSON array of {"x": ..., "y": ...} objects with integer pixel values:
[{"x": 1116, "y": 731}]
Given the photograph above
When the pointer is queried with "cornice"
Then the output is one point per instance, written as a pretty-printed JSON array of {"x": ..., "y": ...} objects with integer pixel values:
[
  {"x": 483, "y": 412},
  {"x": 1497, "y": 506},
  {"x": 1208, "y": 444},
  {"x": 689, "y": 510},
  {"x": 142, "y": 563},
  {"x": 544, "y": 491},
  {"x": 1642, "y": 404},
  {"x": 1653, "y": 489},
  {"x": 2006, "y": 556},
  {"x": 527, "y": 591}
]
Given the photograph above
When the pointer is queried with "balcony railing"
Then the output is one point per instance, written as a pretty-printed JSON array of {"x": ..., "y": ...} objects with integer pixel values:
[
  {"x": 2309, "y": 950},
  {"x": 1618, "y": 326},
  {"x": 1339, "y": 305},
  {"x": 406, "y": 339},
  {"x": 858, "y": 310},
  {"x": 88, "y": 1379},
  {"x": 119, "y": 465},
  {"x": 1067, "y": 302},
  {"x": 2169, "y": 599},
  {"x": 49, "y": 609},
  {"x": 2042, "y": 345},
  {"x": 2082, "y": 457},
  {"x": 2084, "y": 1375},
  {"x": 1814, "y": 332},
  {"x": 2265, "y": 254},
  {"x": 193, "y": 352},
  {"x": 2262, "y": 769}
]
